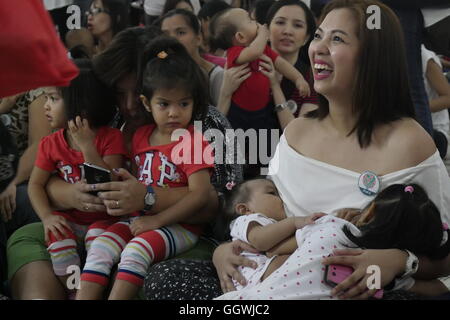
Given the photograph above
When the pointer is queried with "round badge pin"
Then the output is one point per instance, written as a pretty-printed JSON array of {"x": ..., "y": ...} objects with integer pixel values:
[{"x": 369, "y": 183}]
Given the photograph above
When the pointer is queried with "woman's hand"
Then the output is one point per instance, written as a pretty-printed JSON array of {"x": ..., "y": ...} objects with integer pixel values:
[
  {"x": 303, "y": 87},
  {"x": 121, "y": 197},
  {"x": 233, "y": 77},
  {"x": 57, "y": 225},
  {"x": 83, "y": 200},
  {"x": 80, "y": 131},
  {"x": 390, "y": 261},
  {"x": 226, "y": 259},
  {"x": 8, "y": 202},
  {"x": 267, "y": 68}
]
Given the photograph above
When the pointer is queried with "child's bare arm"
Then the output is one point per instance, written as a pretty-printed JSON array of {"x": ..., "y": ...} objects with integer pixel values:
[
  {"x": 193, "y": 202},
  {"x": 256, "y": 48},
  {"x": 37, "y": 194},
  {"x": 84, "y": 137},
  {"x": 287, "y": 246},
  {"x": 265, "y": 237},
  {"x": 54, "y": 224},
  {"x": 290, "y": 72}
]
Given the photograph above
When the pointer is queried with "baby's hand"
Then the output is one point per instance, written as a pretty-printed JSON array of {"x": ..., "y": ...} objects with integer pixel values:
[
  {"x": 300, "y": 222},
  {"x": 263, "y": 31},
  {"x": 303, "y": 87},
  {"x": 143, "y": 224},
  {"x": 81, "y": 132}
]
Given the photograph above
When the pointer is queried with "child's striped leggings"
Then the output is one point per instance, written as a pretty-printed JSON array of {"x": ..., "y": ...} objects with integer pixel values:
[
  {"x": 138, "y": 253},
  {"x": 64, "y": 253}
]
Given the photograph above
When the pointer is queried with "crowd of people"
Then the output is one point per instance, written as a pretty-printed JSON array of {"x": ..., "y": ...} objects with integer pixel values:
[{"x": 356, "y": 177}]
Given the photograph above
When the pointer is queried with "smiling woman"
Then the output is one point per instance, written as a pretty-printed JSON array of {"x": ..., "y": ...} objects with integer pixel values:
[{"x": 365, "y": 122}]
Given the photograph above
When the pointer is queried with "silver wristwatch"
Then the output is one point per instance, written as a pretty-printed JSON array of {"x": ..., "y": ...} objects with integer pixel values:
[
  {"x": 290, "y": 104},
  {"x": 412, "y": 265},
  {"x": 149, "y": 199}
]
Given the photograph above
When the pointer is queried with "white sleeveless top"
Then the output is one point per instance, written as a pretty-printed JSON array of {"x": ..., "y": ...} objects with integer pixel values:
[{"x": 308, "y": 186}]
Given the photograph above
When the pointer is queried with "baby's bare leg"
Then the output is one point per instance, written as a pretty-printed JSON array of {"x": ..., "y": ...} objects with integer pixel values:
[{"x": 274, "y": 265}]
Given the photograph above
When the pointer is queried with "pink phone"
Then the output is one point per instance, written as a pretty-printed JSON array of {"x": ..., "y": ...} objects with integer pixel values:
[{"x": 335, "y": 274}]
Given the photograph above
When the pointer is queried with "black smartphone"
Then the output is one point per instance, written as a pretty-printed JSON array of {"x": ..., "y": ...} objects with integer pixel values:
[{"x": 95, "y": 174}]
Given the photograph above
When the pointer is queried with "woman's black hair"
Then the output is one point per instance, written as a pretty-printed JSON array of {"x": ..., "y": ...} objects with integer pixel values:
[
  {"x": 188, "y": 16},
  {"x": 124, "y": 55},
  {"x": 88, "y": 97},
  {"x": 172, "y": 4},
  {"x": 210, "y": 8},
  {"x": 177, "y": 69},
  {"x": 377, "y": 71},
  {"x": 119, "y": 12},
  {"x": 261, "y": 8},
  {"x": 310, "y": 27},
  {"x": 403, "y": 220}
]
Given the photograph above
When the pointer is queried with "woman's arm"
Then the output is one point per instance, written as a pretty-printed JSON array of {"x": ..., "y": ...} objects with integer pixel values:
[
  {"x": 440, "y": 84},
  {"x": 189, "y": 205},
  {"x": 284, "y": 116},
  {"x": 38, "y": 127},
  {"x": 131, "y": 193},
  {"x": 65, "y": 196},
  {"x": 232, "y": 79}
]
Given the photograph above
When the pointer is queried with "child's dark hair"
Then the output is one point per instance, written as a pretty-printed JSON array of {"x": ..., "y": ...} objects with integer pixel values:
[
  {"x": 403, "y": 220},
  {"x": 239, "y": 193},
  {"x": 221, "y": 34},
  {"x": 88, "y": 97},
  {"x": 176, "y": 69}
]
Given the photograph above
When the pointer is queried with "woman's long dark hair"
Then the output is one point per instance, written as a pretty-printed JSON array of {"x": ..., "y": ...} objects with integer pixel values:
[
  {"x": 403, "y": 220},
  {"x": 88, "y": 97},
  {"x": 381, "y": 94}
]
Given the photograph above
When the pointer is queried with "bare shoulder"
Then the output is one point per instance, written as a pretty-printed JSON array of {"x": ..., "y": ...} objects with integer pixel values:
[
  {"x": 409, "y": 142},
  {"x": 296, "y": 128}
]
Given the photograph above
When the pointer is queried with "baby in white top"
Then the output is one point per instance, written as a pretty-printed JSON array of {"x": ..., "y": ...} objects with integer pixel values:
[{"x": 260, "y": 220}]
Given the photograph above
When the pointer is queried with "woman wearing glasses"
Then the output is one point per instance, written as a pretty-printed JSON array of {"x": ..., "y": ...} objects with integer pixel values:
[{"x": 105, "y": 18}]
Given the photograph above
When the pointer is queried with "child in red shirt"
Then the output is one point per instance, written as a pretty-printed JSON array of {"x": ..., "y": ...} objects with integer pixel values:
[
  {"x": 82, "y": 112},
  {"x": 245, "y": 41},
  {"x": 168, "y": 153}
]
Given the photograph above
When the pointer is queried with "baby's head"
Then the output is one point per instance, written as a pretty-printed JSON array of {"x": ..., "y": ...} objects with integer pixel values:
[
  {"x": 255, "y": 196},
  {"x": 232, "y": 27},
  {"x": 402, "y": 217}
]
